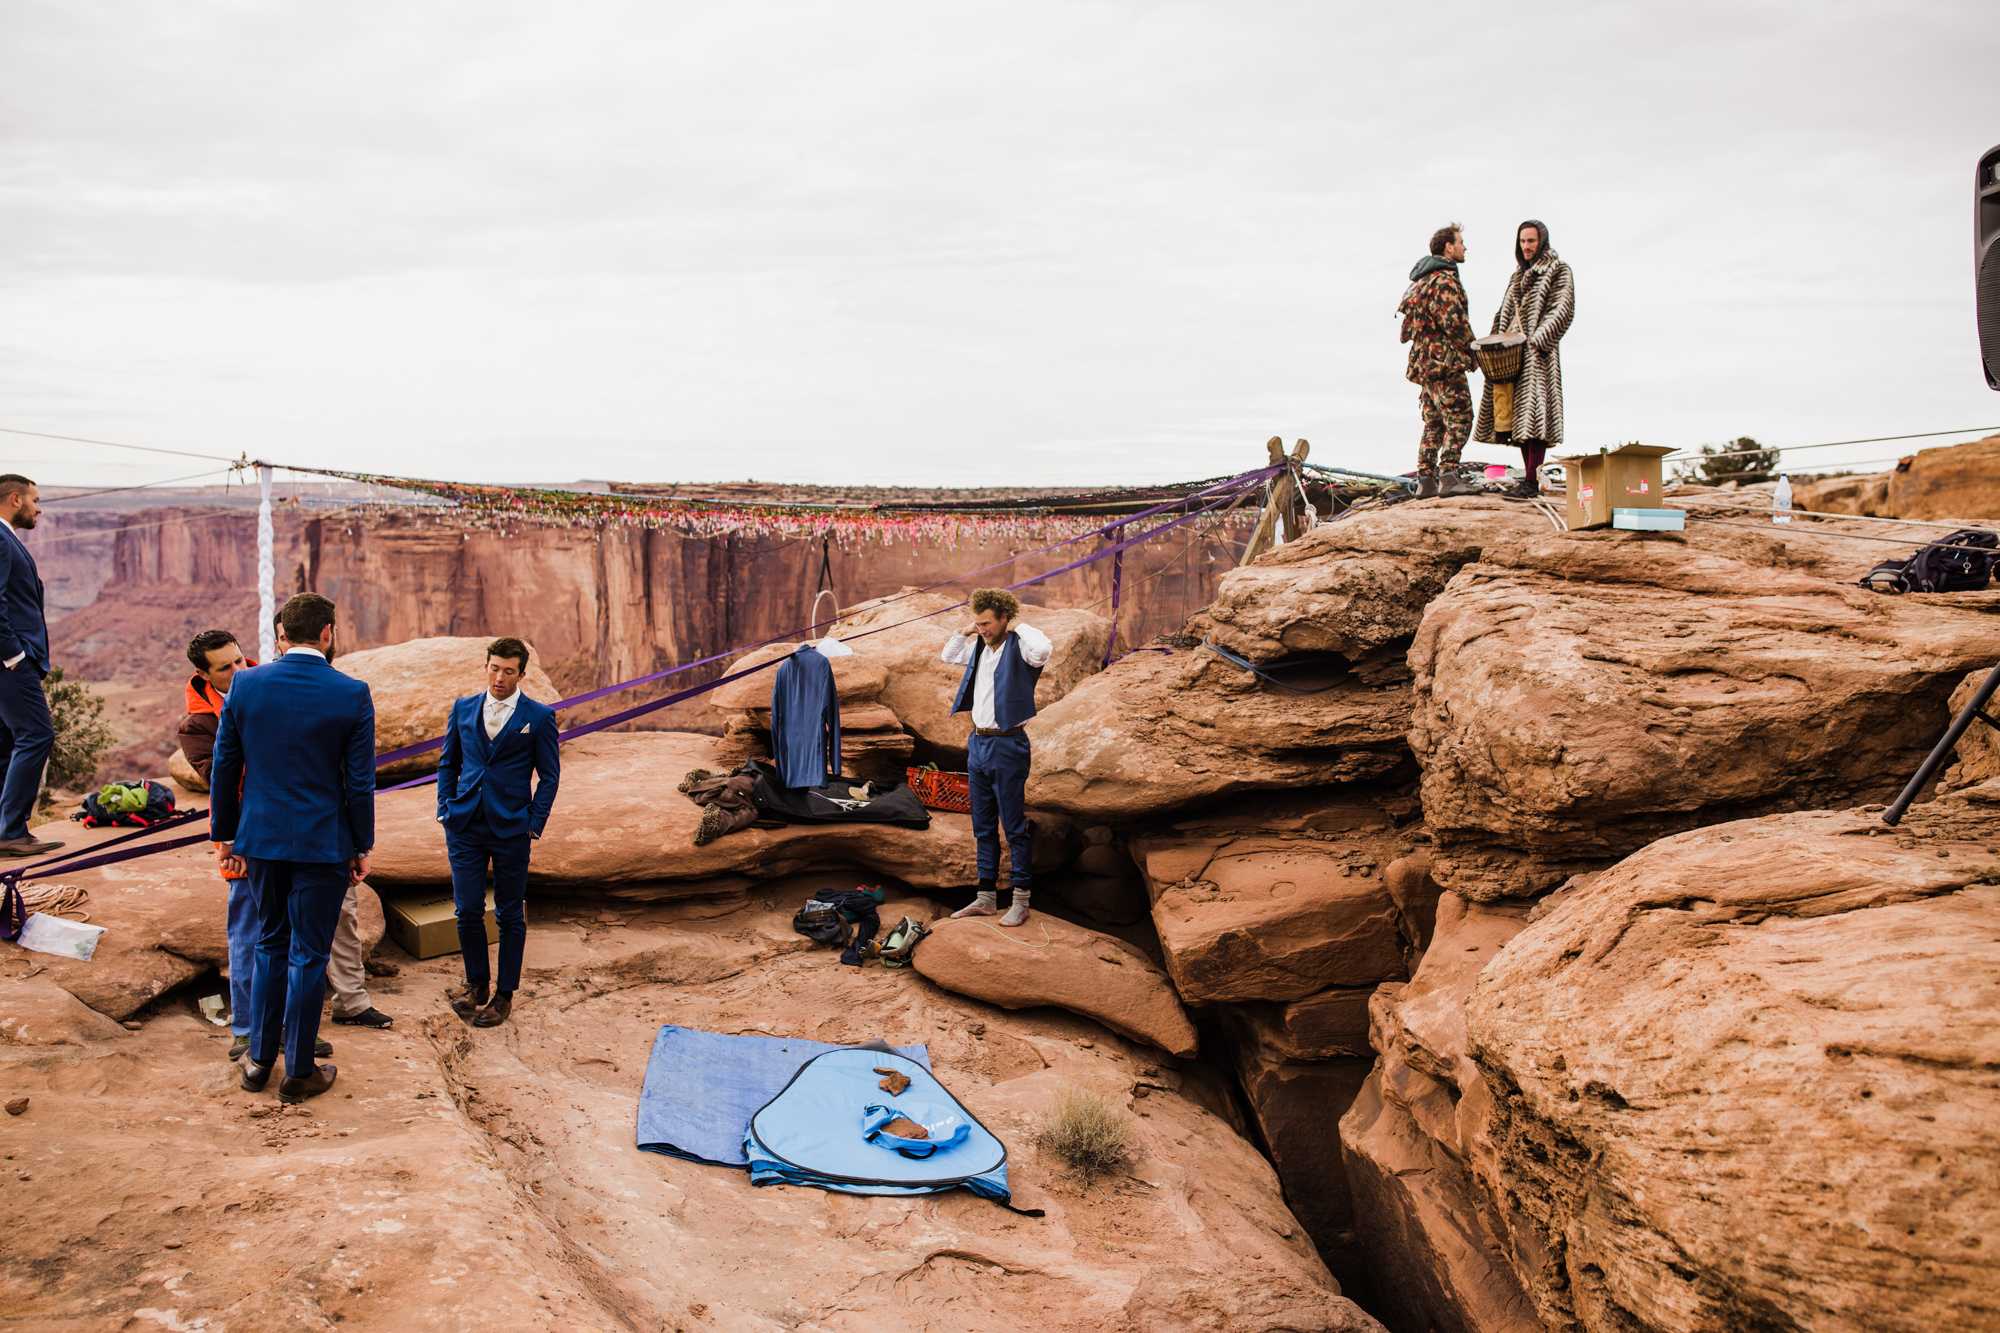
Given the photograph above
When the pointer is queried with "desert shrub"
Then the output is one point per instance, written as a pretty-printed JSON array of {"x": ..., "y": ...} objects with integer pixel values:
[
  {"x": 1084, "y": 1131},
  {"x": 1748, "y": 463},
  {"x": 82, "y": 735}
]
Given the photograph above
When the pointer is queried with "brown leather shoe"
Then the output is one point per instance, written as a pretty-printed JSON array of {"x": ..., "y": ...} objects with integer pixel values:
[
  {"x": 27, "y": 846},
  {"x": 295, "y": 1090},
  {"x": 255, "y": 1076},
  {"x": 469, "y": 1000},
  {"x": 494, "y": 1014}
]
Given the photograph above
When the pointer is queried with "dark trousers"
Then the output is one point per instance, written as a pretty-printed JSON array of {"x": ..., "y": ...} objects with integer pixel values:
[
  {"x": 29, "y": 735},
  {"x": 299, "y": 903},
  {"x": 472, "y": 850},
  {"x": 996, "y": 770}
]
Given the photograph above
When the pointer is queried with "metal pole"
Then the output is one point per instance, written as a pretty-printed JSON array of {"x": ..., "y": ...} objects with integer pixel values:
[
  {"x": 1117, "y": 579},
  {"x": 267, "y": 569},
  {"x": 1894, "y": 814}
]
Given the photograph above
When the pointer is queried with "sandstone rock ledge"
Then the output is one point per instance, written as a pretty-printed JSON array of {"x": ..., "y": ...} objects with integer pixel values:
[
  {"x": 489, "y": 1180},
  {"x": 1751, "y": 1077},
  {"x": 1744, "y": 1079},
  {"x": 1159, "y": 733},
  {"x": 1579, "y": 695},
  {"x": 1049, "y": 961}
]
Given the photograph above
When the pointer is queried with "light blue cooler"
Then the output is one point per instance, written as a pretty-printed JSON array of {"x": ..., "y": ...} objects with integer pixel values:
[{"x": 1649, "y": 520}]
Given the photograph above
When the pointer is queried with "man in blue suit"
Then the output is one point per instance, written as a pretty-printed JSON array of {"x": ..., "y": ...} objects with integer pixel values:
[
  {"x": 495, "y": 740},
  {"x": 299, "y": 824},
  {"x": 1003, "y": 660},
  {"x": 26, "y": 729}
]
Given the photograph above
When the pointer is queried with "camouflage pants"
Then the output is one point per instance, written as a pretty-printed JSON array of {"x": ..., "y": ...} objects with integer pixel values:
[{"x": 1447, "y": 407}]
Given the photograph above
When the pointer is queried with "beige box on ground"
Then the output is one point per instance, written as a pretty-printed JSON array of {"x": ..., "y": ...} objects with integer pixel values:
[
  {"x": 423, "y": 922},
  {"x": 1624, "y": 478}
]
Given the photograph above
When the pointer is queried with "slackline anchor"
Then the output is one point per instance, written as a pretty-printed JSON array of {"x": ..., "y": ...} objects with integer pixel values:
[{"x": 1264, "y": 672}]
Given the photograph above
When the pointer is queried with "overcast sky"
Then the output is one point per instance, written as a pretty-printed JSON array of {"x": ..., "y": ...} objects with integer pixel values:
[{"x": 961, "y": 244}]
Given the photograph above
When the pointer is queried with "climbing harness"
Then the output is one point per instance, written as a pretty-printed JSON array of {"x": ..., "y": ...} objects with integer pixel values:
[{"x": 901, "y": 942}]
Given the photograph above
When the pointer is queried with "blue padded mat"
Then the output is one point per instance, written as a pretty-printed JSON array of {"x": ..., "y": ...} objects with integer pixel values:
[
  {"x": 814, "y": 1133},
  {"x": 703, "y": 1087}
]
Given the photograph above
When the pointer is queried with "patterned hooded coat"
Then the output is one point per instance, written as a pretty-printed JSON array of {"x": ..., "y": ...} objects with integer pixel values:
[{"x": 1545, "y": 294}]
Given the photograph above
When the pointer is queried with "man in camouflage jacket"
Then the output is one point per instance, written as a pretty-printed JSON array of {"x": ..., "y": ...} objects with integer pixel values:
[{"x": 1439, "y": 331}]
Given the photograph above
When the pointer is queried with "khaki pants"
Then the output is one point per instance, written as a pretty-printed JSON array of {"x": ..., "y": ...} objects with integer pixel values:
[{"x": 346, "y": 977}]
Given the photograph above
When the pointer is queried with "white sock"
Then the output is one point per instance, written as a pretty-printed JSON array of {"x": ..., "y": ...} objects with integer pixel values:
[
  {"x": 1018, "y": 913},
  {"x": 986, "y": 903}
]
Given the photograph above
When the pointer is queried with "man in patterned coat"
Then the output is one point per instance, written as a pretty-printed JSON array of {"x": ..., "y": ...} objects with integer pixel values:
[
  {"x": 1540, "y": 303},
  {"x": 1436, "y": 326}
]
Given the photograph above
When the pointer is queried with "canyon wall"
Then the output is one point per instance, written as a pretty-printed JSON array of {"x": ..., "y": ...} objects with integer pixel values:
[{"x": 601, "y": 603}]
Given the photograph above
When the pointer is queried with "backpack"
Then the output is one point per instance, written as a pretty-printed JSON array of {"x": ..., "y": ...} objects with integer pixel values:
[
  {"x": 902, "y": 942},
  {"x": 133, "y": 804},
  {"x": 821, "y": 923},
  {"x": 1961, "y": 562},
  {"x": 1891, "y": 576}
]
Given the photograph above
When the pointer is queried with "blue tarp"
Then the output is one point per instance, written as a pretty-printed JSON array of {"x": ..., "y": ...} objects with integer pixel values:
[
  {"x": 816, "y": 1132},
  {"x": 702, "y": 1088}
]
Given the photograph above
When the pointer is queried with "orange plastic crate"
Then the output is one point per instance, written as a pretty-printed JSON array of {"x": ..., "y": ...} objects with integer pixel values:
[{"x": 939, "y": 790}]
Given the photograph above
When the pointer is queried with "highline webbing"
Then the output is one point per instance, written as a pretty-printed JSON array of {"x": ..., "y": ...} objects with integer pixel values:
[
  {"x": 1231, "y": 487},
  {"x": 679, "y": 696}
]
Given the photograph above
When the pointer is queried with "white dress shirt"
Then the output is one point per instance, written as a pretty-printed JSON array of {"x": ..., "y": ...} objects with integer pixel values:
[
  {"x": 1035, "y": 651},
  {"x": 497, "y": 713}
]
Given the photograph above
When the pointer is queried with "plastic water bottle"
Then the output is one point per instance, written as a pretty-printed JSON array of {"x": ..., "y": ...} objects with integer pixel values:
[{"x": 1781, "y": 501}]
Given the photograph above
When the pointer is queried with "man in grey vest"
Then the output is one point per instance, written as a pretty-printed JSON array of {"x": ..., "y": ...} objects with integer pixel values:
[{"x": 1002, "y": 659}]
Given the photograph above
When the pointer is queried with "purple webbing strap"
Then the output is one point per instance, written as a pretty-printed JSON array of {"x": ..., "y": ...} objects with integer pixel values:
[
  {"x": 1233, "y": 485},
  {"x": 640, "y": 710}
]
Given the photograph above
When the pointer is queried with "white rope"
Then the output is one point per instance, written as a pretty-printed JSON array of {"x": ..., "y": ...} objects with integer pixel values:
[
  {"x": 267, "y": 569},
  {"x": 1691, "y": 455},
  {"x": 55, "y": 899},
  {"x": 1814, "y": 513},
  {"x": 812, "y": 616}
]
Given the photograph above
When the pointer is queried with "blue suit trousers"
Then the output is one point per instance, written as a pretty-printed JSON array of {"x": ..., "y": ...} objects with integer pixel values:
[
  {"x": 300, "y": 905},
  {"x": 996, "y": 769},
  {"x": 245, "y": 929},
  {"x": 28, "y": 735},
  {"x": 473, "y": 850}
]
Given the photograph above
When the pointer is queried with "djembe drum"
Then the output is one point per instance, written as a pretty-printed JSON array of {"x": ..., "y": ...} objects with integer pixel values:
[{"x": 1499, "y": 355}]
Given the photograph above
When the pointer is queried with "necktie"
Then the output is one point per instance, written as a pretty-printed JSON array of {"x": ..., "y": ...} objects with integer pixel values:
[{"x": 494, "y": 713}]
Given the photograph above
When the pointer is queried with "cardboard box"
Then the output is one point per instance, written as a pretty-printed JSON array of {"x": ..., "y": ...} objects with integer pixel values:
[
  {"x": 1623, "y": 478},
  {"x": 423, "y": 923},
  {"x": 1649, "y": 520}
]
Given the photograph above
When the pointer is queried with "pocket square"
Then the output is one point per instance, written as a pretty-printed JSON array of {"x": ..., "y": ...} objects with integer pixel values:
[{"x": 526, "y": 725}]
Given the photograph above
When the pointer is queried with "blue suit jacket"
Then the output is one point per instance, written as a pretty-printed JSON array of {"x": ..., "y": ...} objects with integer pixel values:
[
  {"x": 476, "y": 774},
  {"x": 308, "y": 733},
  {"x": 23, "y": 627},
  {"x": 805, "y": 719}
]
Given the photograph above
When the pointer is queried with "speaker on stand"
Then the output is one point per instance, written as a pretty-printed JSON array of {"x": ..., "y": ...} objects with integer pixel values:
[
  {"x": 1986, "y": 289},
  {"x": 1986, "y": 260}
]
